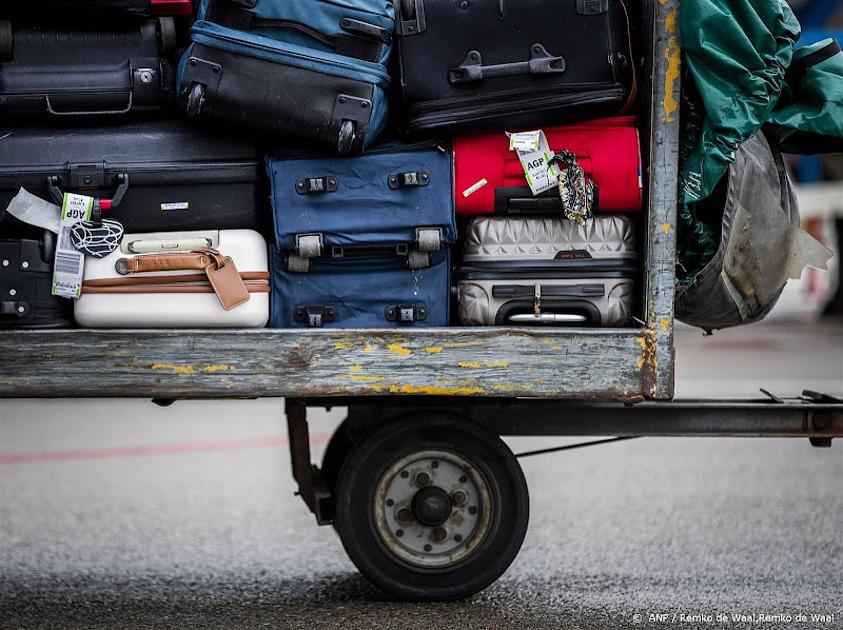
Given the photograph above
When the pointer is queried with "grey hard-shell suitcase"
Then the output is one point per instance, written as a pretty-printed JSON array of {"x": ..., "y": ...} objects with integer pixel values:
[{"x": 547, "y": 270}]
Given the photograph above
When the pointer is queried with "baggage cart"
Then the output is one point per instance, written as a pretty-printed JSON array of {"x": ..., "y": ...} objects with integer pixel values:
[{"x": 428, "y": 502}]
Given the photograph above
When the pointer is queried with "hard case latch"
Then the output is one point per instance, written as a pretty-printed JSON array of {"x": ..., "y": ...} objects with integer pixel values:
[
  {"x": 406, "y": 313},
  {"x": 314, "y": 316}
]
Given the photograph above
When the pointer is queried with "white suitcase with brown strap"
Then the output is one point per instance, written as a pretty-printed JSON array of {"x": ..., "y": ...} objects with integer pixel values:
[{"x": 206, "y": 279}]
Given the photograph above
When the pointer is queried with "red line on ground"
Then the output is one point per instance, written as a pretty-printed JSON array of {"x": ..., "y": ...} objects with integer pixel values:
[{"x": 116, "y": 452}]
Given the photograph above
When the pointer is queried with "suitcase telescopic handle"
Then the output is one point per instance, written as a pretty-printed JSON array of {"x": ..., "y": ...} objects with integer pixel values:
[
  {"x": 540, "y": 62},
  {"x": 54, "y": 181}
]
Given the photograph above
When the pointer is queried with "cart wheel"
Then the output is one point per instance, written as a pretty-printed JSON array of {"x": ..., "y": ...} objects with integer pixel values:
[
  {"x": 7, "y": 41},
  {"x": 196, "y": 99},
  {"x": 345, "y": 143},
  {"x": 167, "y": 35},
  {"x": 431, "y": 508}
]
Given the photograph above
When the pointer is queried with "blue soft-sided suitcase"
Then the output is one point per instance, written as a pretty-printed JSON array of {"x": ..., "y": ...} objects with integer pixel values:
[
  {"x": 307, "y": 71},
  {"x": 367, "y": 291},
  {"x": 395, "y": 195}
]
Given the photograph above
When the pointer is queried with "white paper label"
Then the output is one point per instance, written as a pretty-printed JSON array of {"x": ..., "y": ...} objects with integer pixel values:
[
  {"x": 474, "y": 187},
  {"x": 534, "y": 154},
  {"x": 30, "y": 209},
  {"x": 525, "y": 141},
  {"x": 69, "y": 264},
  {"x": 180, "y": 205}
]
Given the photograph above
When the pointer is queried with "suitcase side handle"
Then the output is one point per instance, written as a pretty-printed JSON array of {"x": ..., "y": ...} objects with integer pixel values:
[
  {"x": 54, "y": 181},
  {"x": 472, "y": 68},
  {"x": 552, "y": 311},
  {"x": 102, "y": 112}
]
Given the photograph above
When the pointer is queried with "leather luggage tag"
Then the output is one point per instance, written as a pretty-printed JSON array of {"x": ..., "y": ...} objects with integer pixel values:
[{"x": 229, "y": 286}]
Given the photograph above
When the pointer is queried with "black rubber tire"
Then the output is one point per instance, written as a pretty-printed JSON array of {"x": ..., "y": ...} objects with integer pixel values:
[
  {"x": 7, "y": 42},
  {"x": 345, "y": 140},
  {"x": 168, "y": 39},
  {"x": 339, "y": 446},
  {"x": 195, "y": 99},
  {"x": 355, "y": 522}
]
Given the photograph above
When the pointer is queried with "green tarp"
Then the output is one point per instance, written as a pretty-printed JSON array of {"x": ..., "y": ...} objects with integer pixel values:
[{"x": 741, "y": 73}]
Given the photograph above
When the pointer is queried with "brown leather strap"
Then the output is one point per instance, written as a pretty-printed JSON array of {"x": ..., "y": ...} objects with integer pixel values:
[
  {"x": 220, "y": 271},
  {"x": 253, "y": 286},
  {"x": 172, "y": 279},
  {"x": 180, "y": 261}
]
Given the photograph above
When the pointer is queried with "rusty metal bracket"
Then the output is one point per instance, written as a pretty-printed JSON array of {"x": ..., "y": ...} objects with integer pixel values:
[{"x": 312, "y": 488}]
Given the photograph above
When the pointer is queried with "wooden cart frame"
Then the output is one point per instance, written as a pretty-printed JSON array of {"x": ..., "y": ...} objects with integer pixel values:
[{"x": 604, "y": 364}]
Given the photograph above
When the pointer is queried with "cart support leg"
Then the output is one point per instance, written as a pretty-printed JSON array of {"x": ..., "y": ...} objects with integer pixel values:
[{"x": 312, "y": 489}]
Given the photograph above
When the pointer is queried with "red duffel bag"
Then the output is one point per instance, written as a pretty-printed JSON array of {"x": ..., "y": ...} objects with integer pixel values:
[{"x": 489, "y": 178}]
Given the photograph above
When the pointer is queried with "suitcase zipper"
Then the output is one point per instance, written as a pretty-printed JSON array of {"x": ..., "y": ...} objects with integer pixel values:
[{"x": 206, "y": 33}]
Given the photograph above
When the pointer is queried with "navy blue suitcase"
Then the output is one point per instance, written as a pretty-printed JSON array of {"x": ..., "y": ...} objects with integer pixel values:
[
  {"x": 398, "y": 198},
  {"x": 307, "y": 71},
  {"x": 369, "y": 290}
]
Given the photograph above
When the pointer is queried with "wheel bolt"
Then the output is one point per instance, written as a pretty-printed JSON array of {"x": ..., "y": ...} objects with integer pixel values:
[
  {"x": 463, "y": 479},
  {"x": 404, "y": 515},
  {"x": 439, "y": 534},
  {"x": 428, "y": 547},
  {"x": 472, "y": 509},
  {"x": 399, "y": 532},
  {"x": 459, "y": 497},
  {"x": 458, "y": 538},
  {"x": 390, "y": 503},
  {"x": 422, "y": 479},
  {"x": 404, "y": 474},
  {"x": 432, "y": 464}
]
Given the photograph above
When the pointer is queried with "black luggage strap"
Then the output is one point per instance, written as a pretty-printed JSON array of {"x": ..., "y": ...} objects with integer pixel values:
[
  {"x": 361, "y": 41},
  {"x": 412, "y": 178}
]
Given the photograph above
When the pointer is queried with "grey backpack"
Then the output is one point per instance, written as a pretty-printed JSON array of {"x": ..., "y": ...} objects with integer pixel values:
[{"x": 761, "y": 244}]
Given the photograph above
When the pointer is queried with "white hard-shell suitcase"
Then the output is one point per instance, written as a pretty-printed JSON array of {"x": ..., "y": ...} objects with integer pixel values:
[
  {"x": 202, "y": 279},
  {"x": 547, "y": 270}
]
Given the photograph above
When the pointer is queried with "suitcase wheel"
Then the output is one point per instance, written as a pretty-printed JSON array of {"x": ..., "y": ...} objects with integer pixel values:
[
  {"x": 167, "y": 36},
  {"x": 7, "y": 41},
  {"x": 345, "y": 142},
  {"x": 196, "y": 99}
]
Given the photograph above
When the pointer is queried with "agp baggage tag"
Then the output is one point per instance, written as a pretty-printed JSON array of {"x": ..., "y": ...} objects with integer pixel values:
[
  {"x": 534, "y": 154},
  {"x": 69, "y": 264}
]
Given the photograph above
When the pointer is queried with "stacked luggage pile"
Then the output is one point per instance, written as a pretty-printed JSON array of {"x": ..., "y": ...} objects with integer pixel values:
[{"x": 350, "y": 163}]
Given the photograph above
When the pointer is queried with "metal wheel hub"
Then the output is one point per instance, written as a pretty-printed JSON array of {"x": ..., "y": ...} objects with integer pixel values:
[{"x": 432, "y": 509}]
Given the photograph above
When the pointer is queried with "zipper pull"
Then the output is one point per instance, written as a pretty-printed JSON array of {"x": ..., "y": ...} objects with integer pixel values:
[{"x": 501, "y": 9}]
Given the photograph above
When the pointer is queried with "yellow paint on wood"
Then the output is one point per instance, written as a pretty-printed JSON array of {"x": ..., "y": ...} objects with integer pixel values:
[
  {"x": 672, "y": 54},
  {"x": 666, "y": 228},
  {"x": 175, "y": 369},
  {"x": 343, "y": 345},
  {"x": 218, "y": 368},
  {"x": 664, "y": 322},
  {"x": 432, "y": 390},
  {"x": 356, "y": 368},
  {"x": 369, "y": 347},
  {"x": 461, "y": 344},
  {"x": 397, "y": 348},
  {"x": 365, "y": 377},
  {"x": 482, "y": 364},
  {"x": 433, "y": 349}
]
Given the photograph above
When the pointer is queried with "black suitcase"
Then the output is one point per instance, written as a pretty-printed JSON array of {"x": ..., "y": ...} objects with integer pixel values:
[
  {"x": 511, "y": 63},
  {"x": 82, "y": 70},
  {"x": 133, "y": 7},
  {"x": 26, "y": 280},
  {"x": 166, "y": 175}
]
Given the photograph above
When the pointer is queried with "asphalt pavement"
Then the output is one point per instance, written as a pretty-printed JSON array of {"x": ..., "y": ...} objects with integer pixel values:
[{"x": 120, "y": 514}]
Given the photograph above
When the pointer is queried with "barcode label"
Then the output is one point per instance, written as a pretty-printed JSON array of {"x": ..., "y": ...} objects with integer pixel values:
[
  {"x": 68, "y": 263},
  {"x": 65, "y": 242}
]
